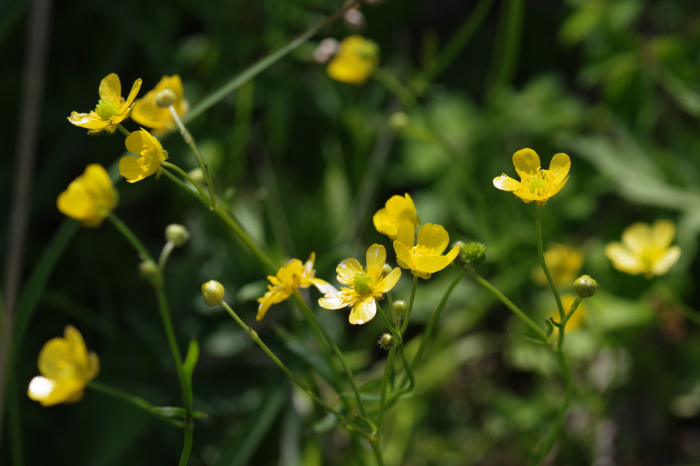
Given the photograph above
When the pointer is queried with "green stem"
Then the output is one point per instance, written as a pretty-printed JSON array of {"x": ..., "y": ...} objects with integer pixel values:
[
  {"x": 243, "y": 236},
  {"x": 507, "y": 44},
  {"x": 410, "y": 305},
  {"x": 434, "y": 318},
  {"x": 130, "y": 236},
  {"x": 134, "y": 400},
  {"x": 409, "y": 371},
  {"x": 186, "y": 176},
  {"x": 562, "y": 324},
  {"x": 254, "y": 335},
  {"x": 204, "y": 200},
  {"x": 124, "y": 131},
  {"x": 509, "y": 304},
  {"x": 385, "y": 383},
  {"x": 377, "y": 452},
  {"x": 190, "y": 142},
  {"x": 392, "y": 313},
  {"x": 313, "y": 320},
  {"x": 164, "y": 254},
  {"x": 543, "y": 263},
  {"x": 389, "y": 327}
]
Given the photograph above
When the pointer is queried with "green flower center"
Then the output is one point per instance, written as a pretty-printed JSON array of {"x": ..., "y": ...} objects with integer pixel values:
[
  {"x": 535, "y": 184},
  {"x": 107, "y": 108},
  {"x": 362, "y": 283}
]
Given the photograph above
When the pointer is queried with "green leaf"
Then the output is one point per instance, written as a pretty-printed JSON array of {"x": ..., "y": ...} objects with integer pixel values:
[{"x": 191, "y": 358}]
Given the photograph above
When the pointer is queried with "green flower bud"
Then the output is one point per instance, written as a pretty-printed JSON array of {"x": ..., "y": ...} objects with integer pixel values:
[
  {"x": 585, "y": 286},
  {"x": 472, "y": 253},
  {"x": 148, "y": 270},
  {"x": 197, "y": 175},
  {"x": 386, "y": 341},
  {"x": 386, "y": 269},
  {"x": 165, "y": 98},
  {"x": 178, "y": 234},
  {"x": 213, "y": 292},
  {"x": 400, "y": 307}
]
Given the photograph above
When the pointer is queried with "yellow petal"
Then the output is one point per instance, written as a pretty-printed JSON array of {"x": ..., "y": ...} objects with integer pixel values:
[
  {"x": 337, "y": 300},
  {"x": 637, "y": 237},
  {"x": 560, "y": 165},
  {"x": 290, "y": 274},
  {"x": 309, "y": 265},
  {"x": 432, "y": 239},
  {"x": 135, "y": 142},
  {"x": 667, "y": 261},
  {"x": 662, "y": 233},
  {"x": 385, "y": 223},
  {"x": 506, "y": 183},
  {"x": 376, "y": 256},
  {"x": 88, "y": 120},
  {"x": 111, "y": 88},
  {"x": 76, "y": 202},
  {"x": 347, "y": 270},
  {"x": 406, "y": 234},
  {"x": 51, "y": 392},
  {"x": 130, "y": 168},
  {"x": 403, "y": 255},
  {"x": 557, "y": 188},
  {"x": 363, "y": 311},
  {"x": 132, "y": 94},
  {"x": 323, "y": 286},
  {"x": 622, "y": 260},
  {"x": 526, "y": 161},
  {"x": 432, "y": 264},
  {"x": 274, "y": 296},
  {"x": 387, "y": 283}
]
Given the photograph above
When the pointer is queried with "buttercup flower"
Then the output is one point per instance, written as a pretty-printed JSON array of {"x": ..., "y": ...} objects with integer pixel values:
[
  {"x": 111, "y": 109},
  {"x": 148, "y": 113},
  {"x": 363, "y": 286},
  {"x": 535, "y": 184},
  {"x": 563, "y": 263},
  {"x": 424, "y": 258},
  {"x": 645, "y": 249},
  {"x": 577, "y": 319},
  {"x": 150, "y": 153},
  {"x": 66, "y": 367},
  {"x": 356, "y": 59},
  {"x": 291, "y": 276},
  {"x": 396, "y": 211},
  {"x": 90, "y": 197}
]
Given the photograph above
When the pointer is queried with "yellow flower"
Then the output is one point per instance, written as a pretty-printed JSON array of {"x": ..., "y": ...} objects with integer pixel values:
[
  {"x": 363, "y": 286},
  {"x": 291, "y": 276},
  {"x": 424, "y": 258},
  {"x": 576, "y": 320},
  {"x": 66, "y": 368},
  {"x": 396, "y": 211},
  {"x": 356, "y": 59},
  {"x": 150, "y": 153},
  {"x": 110, "y": 110},
  {"x": 147, "y": 113},
  {"x": 645, "y": 249},
  {"x": 563, "y": 263},
  {"x": 90, "y": 197},
  {"x": 535, "y": 184}
]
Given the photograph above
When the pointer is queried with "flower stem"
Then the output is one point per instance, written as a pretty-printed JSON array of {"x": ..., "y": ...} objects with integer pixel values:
[
  {"x": 130, "y": 236},
  {"x": 165, "y": 254},
  {"x": 385, "y": 383},
  {"x": 509, "y": 304},
  {"x": 184, "y": 174},
  {"x": 395, "y": 333},
  {"x": 562, "y": 324},
  {"x": 124, "y": 131},
  {"x": 410, "y": 305},
  {"x": 254, "y": 335},
  {"x": 543, "y": 263},
  {"x": 190, "y": 142}
]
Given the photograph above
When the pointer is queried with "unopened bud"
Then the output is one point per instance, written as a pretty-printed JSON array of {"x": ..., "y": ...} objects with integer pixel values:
[
  {"x": 197, "y": 175},
  {"x": 472, "y": 253},
  {"x": 148, "y": 270},
  {"x": 386, "y": 269},
  {"x": 585, "y": 286},
  {"x": 165, "y": 98},
  {"x": 386, "y": 341},
  {"x": 398, "y": 120},
  {"x": 176, "y": 233},
  {"x": 400, "y": 307},
  {"x": 213, "y": 292}
]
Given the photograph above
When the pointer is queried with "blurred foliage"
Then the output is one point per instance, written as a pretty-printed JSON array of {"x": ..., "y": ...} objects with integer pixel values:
[{"x": 613, "y": 83}]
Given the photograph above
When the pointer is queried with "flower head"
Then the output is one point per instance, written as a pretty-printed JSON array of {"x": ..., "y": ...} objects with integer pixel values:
[
  {"x": 563, "y": 263},
  {"x": 111, "y": 109},
  {"x": 424, "y": 258},
  {"x": 294, "y": 274},
  {"x": 90, "y": 197},
  {"x": 356, "y": 59},
  {"x": 396, "y": 211},
  {"x": 66, "y": 367},
  {"x": 645, "y": 249},
  {"x": 577, "y": 319},
  {"x": 535, "y": 184},
  {"x": 363, "y": 286},
  {"x": 147, "y": 112},
  {"x": 150, "y": 155}
]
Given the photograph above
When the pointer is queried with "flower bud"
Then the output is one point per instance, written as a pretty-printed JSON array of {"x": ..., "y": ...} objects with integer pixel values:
[
  {"x": 213, "y": 292},
  {"x": 325, "y": 50},
  {"x": 585, "y": 286},
  {"x": 400, "y": 307},
  {"x": 176, "y": 233},
  {"x": 386, "y": 269},
  {"x": 472, "y": 253},
  {"x": 398, "y": 120},
  {"x": 165, "y": 98},
  {"x": 197, "y": 175},
  {"x": 148, "y": 270},
  {"x": 386, "y": 341}
]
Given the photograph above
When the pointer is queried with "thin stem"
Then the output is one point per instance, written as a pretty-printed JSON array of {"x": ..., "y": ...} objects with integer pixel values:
[
  {"x": 186, "y": 176},
  {"x": 377, "y": 452},
  {"x": 243, "y": 236},
  {"x": 562, "y": 324},
  {"x": 434, "y": 318},
  {"x": 130, "y": 236},
  {"x": 165, "y": 254},
  {"x": 543, "y": 263},
  {"x": 254, "y": 335},
  {"x": 313, "y": 320},
  {"x": 389, "y": 327},
  {"x": 134, "y": 400},
  {"x": 509, "y": 304},
  {"x": 392, "y": 313},
  {"x": 124, "y": 131},
  {"x": 410, "y": 305},
  {"x": 204, "y": 200},
  {"x": 190, "y": 142},
  {"x": 385, "y": 383}
]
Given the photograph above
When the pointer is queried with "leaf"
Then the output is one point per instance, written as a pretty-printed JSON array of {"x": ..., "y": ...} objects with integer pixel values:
[{"x": 191, "y": 359}]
